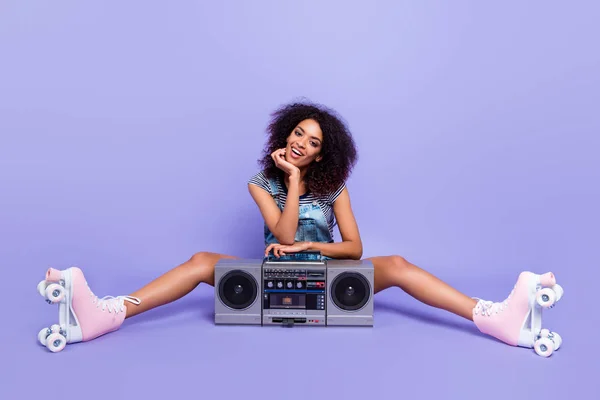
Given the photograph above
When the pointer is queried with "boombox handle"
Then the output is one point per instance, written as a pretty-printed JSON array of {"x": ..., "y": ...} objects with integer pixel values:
[{"x": 271, "y": 258}]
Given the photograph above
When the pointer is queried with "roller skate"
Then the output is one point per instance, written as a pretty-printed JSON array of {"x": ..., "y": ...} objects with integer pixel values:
[
  {"x": 518, "y": 319},
  {"x": 82, "y": 316}
]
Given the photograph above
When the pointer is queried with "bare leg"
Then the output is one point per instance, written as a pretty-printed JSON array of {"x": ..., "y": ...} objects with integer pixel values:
[
  {"x": 176, "y": 283},
  {"x": 396, "y": 271}
]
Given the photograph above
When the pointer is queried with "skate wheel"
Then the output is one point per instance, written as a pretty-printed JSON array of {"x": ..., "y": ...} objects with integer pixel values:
[
  {"x": 558, "y": 291},
  {"x": 55, "y": 292},
  {"x": 544, "y": 333},
  {"x": 555, "y": 337},
  {"x": 41, "y": 288},
  {"x": 42, "y": 335},
  {"x": 544, "y": 347},
  {"x": 56, "y": 342},
  {"x": 545, "y": 297}
]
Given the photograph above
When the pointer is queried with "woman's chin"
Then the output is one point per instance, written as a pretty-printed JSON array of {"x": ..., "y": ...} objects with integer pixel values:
[
  {"x": 297, "y": 162},
  {"x": 292, "y": 160}
]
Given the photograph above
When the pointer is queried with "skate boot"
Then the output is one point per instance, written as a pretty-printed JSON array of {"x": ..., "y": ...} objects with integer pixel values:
[
  {"x": 518, "y": 319},
  {"x": 82, "y": 316}
]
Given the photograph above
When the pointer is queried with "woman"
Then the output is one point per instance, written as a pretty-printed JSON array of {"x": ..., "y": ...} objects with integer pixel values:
[{"x": 301, "y": 195}]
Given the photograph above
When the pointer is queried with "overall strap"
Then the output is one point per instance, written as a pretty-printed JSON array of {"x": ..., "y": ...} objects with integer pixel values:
[{"x": 273, "y": 185}]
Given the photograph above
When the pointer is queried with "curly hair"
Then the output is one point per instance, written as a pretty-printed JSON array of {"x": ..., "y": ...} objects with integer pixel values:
[{"x": 338, "y": 151}]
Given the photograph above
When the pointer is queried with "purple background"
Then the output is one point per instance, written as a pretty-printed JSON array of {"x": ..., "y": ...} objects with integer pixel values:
[{"x": 128, "y": 133}]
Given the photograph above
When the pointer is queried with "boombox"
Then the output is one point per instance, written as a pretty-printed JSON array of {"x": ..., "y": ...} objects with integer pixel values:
[{"x": 294, "y": 290}]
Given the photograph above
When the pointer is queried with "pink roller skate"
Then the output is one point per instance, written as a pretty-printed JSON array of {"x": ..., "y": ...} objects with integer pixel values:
[
  {"x": 518, "y": 319},
  {"x": 81, "y": 315}
]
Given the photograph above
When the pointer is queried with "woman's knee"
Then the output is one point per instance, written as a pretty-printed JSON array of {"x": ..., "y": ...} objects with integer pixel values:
[
  {"x": 389, "y": 271},
  {"x": 203, "y": 263},
  {"x": 399, "y": 262},
  {"x": 390, "y": 263},
  {"x": 200, "y": 267},
  {"x": 204, "y": 257},
  {"x": 199, "y": 258}
]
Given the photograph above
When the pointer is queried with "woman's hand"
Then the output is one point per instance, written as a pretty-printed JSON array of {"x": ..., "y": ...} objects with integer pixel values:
[
  {"x": 279, "y": 157},
  {"x": 282, "y": 249}
]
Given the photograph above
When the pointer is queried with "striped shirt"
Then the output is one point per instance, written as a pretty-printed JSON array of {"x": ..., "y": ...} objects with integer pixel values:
[{"x": 325, "y": 202}]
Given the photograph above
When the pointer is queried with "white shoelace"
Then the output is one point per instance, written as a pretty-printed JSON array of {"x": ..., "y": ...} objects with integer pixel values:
[
  {"x": 486, "y": 307},
  {"x": 114, "y": 304}
]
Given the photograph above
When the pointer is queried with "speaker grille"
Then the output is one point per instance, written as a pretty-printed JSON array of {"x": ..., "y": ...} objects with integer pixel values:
[
  {"x": 350, "y": 291},
  {"x": 238, "y": 289}
]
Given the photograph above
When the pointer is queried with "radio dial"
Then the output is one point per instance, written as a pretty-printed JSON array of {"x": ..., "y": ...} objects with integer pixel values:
[
  {"x": 279, "y": 285},
  {"x": 299, "y": 285},
  {"x": 289, "y": 285},
  {"x": 270, "y": 284}
]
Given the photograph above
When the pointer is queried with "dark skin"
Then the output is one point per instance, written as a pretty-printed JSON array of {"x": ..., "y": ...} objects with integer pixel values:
[
  {"x": 390, "y": 271},
  {"x": 307, "y": 139}
]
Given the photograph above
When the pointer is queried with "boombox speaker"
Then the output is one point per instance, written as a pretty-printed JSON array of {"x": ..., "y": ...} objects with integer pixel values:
[
  {"x": 238, "y": 292},
  {"x": 350, "y": 293}
]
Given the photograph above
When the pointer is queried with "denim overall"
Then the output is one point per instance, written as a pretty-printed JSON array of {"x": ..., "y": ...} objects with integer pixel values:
[{"x": 312, "y": 227}]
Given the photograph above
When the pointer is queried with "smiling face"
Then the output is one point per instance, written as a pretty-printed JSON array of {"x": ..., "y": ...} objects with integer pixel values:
[{"x": 304, "y": 143}]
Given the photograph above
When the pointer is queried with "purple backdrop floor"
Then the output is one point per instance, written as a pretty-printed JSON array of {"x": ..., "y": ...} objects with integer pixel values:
[{"x": 413, "y": 352}]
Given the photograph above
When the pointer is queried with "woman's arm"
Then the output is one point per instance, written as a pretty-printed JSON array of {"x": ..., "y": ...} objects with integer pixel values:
[
  {"x": 351, "y": 245},
  {"x": 349, "y": 248},
  {"x": 282, "y": 224}
]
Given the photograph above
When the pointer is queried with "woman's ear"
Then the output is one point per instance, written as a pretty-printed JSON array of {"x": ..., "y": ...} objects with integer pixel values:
[{"x": 319, "y": 158}]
